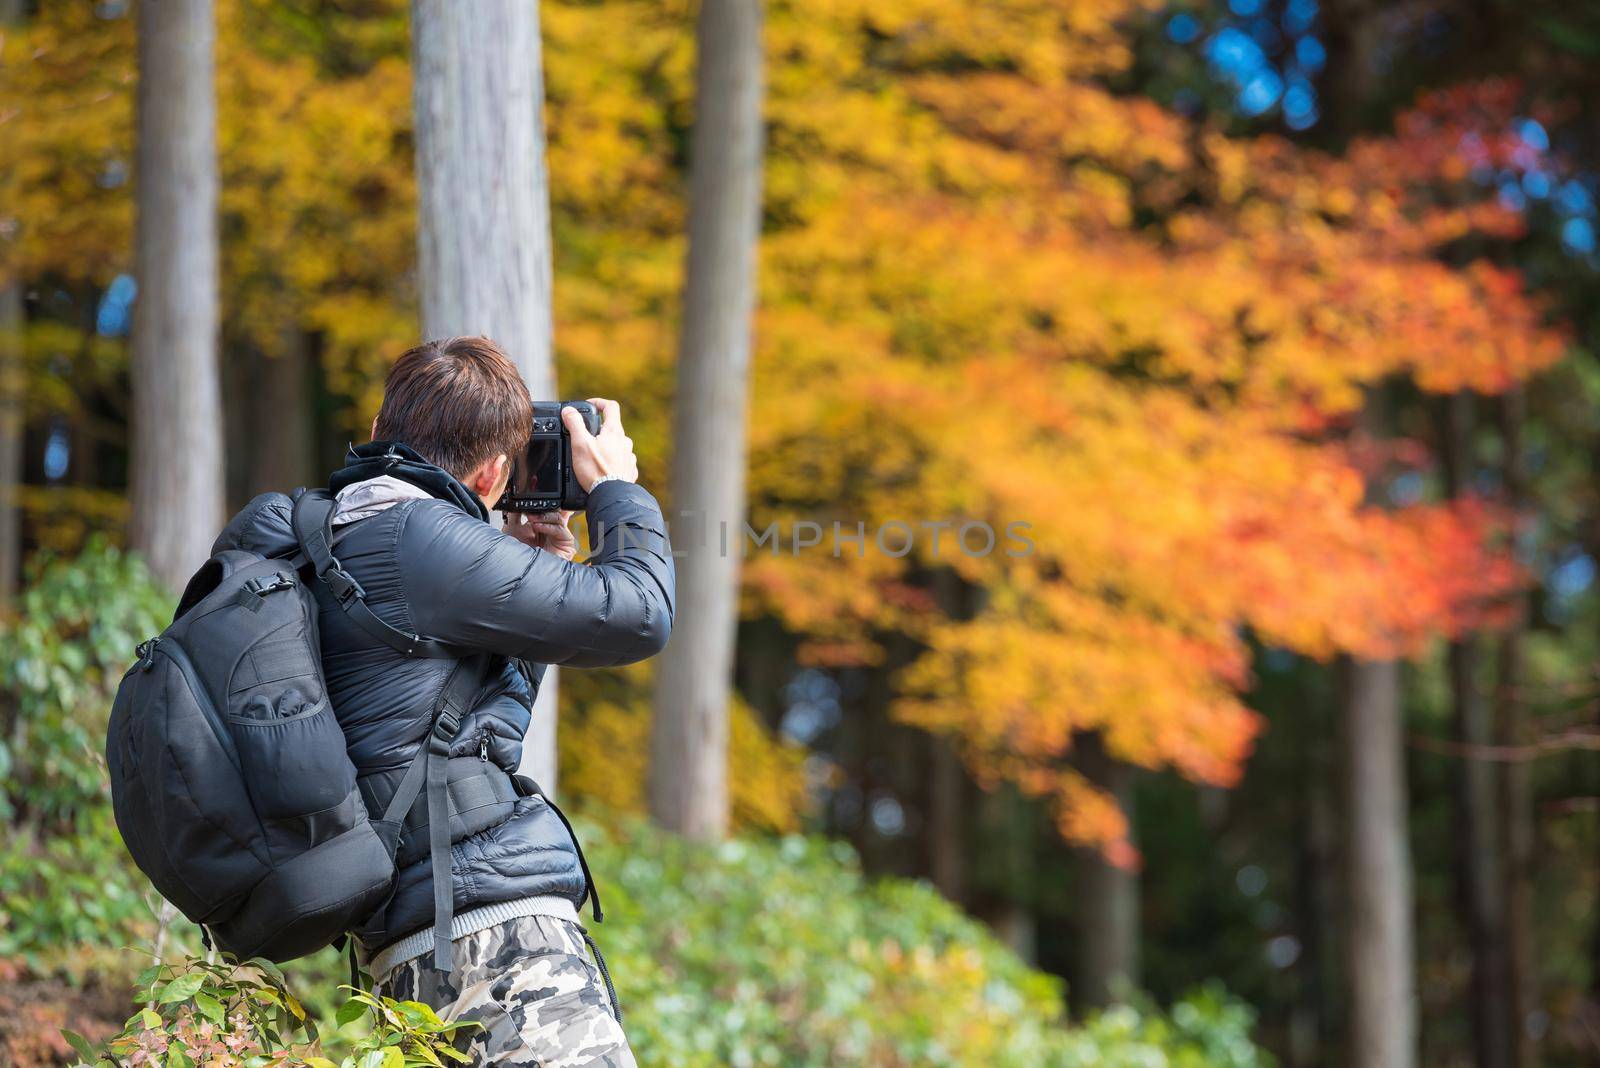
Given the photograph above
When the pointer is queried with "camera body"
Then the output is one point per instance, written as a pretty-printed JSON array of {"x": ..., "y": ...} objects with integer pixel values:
[{"x": 541, "y": 476}]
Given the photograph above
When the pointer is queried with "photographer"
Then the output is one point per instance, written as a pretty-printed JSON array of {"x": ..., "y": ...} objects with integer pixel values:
[{"x": 411, "y": 523}]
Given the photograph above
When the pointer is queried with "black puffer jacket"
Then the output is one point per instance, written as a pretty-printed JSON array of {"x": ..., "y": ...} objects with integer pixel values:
[{"x": 437, "y": 568}]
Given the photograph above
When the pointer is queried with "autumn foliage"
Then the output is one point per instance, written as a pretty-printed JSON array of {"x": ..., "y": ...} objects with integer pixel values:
[{"x": 991, "y": 290}]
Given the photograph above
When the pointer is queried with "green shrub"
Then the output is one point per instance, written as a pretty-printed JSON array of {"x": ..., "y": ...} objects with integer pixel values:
[
  {"x": 779, "y": 952},
  {"x": 71, "y": 891},
  {"x": 64, "y": 875},
  {"x": 66, "y": 649},
  {"x": 243, "y": 1015},
  {"x": 1207, "y": 1029}
]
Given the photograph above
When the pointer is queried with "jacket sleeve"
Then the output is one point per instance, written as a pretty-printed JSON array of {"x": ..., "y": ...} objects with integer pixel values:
[{"x": 470, "y": 584}]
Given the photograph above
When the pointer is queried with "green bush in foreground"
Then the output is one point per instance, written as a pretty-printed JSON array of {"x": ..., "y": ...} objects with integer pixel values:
[
  {"x": 243, "y": 1015},
  {"x": 782, "y": 953}
]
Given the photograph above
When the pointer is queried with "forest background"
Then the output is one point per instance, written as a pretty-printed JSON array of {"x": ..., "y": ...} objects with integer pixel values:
[{"x": 1271, "y": 322}]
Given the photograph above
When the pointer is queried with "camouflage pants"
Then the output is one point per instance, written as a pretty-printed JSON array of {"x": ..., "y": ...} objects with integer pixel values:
[{"x": 531, "y": 984}]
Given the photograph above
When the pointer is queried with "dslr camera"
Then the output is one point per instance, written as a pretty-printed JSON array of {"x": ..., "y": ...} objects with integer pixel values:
[{"x": 541, "y": 477}]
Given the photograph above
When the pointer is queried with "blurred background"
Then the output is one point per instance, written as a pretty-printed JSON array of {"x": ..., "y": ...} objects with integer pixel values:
[{"x": 1260, "y": 726}]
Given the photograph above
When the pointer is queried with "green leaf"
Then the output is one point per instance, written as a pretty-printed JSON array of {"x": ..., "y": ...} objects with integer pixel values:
[
  {"x": 148, "y": 976},
  {"x": 392, "y": 1058},
  {"x": 350, "y": 1012},
  {"x": 294, "y": 1006},
  {"x": 182, "y": 988},
  {"x": 177, "y": 1057},
  {"x": 80, "y": 1045},
  {"x": 418, "y": 1013},
  {"x": 210, "y": 1008},
  {"x": 319, "y": 1062},
  {"x": 267, "y": 966},
  {"x": 151, "y": 1019},
  {"x": 453, "y": 1053}
]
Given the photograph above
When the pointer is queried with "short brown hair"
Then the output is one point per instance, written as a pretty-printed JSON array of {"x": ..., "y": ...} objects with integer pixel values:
[{"x": 459, "y": 402}]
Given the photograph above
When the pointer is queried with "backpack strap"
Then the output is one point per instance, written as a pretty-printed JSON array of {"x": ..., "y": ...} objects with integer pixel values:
[
  {"x": 312, "y": 519},
  {"x": 429, "y": 767}
]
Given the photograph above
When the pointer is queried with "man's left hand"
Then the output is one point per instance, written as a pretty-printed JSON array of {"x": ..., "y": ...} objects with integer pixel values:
[{"x": 544, "y": 530}]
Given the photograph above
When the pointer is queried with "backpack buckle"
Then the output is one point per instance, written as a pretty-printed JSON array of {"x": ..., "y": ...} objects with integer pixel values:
[
  {"x": 263, "y": 586},
  {"x": 446, "y": 725},
  {"x": 146, "y": 652},
  {"x": 344, "y": 588}
]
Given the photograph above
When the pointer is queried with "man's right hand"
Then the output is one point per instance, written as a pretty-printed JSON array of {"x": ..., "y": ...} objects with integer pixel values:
[{"x": 609, "y": 452}]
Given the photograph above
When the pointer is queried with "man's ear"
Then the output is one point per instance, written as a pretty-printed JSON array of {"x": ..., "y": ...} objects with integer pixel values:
[{"x": 489, "y": 478}]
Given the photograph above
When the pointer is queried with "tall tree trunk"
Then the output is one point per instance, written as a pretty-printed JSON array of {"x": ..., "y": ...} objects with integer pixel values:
[
  {"x": 483, "y": 202},
  {"x": 1380, "y": 967},
  {"x": 947, "y": 819},
  {"x": 689, "y": 736},
  {"x": 1515, "y": 782},
  {"x": 1312, "y": 1017},
  {"x": 1479, "y": 878},
  {"x": 1107, "y": 963},
  {"x": 176, "y": 462},
  {"x": 1352, "y": 31},
  {"x": 271, "y": 433},
  {"x": 13, "y": 320},
  {"x": 284, "y": 419}
]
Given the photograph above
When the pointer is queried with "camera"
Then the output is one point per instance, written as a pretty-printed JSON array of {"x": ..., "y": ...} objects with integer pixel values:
[{"x": 541, "y": 477}]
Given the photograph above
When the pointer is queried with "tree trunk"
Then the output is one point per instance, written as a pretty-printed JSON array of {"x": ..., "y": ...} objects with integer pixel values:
[
  {"x": 13, "y": 320},
  {"x": 270, "y": 426},
  {"x": 1380, "y": 971},
  {"x": 176, "y": 463},
  {"x": 1311, "y": 1030},
  {"x": 1352, "y": 31},
  {"x": 1479, "y": 877},
  {"x": 483, "y": 203},
  {"x": 1107, "y": 965},
  {"x": 947, "y": 819},
  {"x": 284, "y": 452},
  {"x": 689, "y": 737},
  {"x": 1515, "y": 781}
]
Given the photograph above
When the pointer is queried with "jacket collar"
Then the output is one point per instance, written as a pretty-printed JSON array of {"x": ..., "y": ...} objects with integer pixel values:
[{"x": 401, "y": 461}]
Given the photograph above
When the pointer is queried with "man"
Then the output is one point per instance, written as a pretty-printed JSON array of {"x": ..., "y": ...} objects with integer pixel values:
[{"x": 411, "y": 526}]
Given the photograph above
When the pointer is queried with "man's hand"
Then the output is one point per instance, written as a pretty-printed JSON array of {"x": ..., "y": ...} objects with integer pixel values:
[
  {"x": 544, "y": 530},
  {"x": 609, "y": 452}
]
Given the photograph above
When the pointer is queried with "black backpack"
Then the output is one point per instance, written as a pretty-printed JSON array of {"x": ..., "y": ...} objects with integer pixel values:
[{"x": 229, "y": 776}]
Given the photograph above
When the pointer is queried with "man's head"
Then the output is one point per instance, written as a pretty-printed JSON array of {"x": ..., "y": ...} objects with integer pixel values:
[{"x": 461, "y": 404}]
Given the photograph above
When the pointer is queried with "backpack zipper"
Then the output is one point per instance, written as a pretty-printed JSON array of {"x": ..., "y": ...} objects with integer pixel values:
[
  {"x": 483, "y": 745},
  {"x": 174, "y": 652}
]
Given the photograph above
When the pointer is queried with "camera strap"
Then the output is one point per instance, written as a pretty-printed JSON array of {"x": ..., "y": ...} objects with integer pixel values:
[{"x": 312, "y": 520}]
